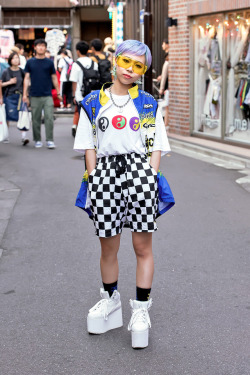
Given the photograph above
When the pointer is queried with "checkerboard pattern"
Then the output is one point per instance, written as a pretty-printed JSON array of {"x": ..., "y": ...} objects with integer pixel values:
[{"x": 130, "y": 197}]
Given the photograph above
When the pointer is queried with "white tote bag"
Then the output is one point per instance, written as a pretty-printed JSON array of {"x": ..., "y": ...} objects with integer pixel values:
[
  {"x": 4, "y": 132},
  {"x": 24, "y": 118}
]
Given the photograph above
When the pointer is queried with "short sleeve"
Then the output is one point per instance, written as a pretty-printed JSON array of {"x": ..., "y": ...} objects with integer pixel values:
[
  {"x": 27, "y": 67},
  {"x": 84, "y": 135},
  {"x": 161, "y": 142},
  {"x": 61, "y": 63},
  {"x": 4, "y": 76},
  {"x": 74, "y": 73},
  {"x": 52, "y": 69}
]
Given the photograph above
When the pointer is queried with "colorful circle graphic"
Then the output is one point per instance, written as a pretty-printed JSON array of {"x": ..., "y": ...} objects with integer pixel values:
[
  {"x": 134, "y": 123},
  {"x": 119, "y": 122},
  {"x": 103, "y": 123}
]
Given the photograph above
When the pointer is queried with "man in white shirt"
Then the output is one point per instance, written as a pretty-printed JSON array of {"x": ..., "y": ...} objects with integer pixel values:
[
  {"x": 76, "y": 77},
  {"x": 64, "y": 65}
]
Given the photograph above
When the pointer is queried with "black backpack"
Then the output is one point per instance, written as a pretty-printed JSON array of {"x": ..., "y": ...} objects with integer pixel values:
[
  {"x": 91, "y": 79},
  {"x": 104, "y": 66}
]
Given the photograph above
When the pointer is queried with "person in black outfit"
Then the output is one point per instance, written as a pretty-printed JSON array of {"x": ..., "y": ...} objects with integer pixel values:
[{"x": 12, "y": 84}]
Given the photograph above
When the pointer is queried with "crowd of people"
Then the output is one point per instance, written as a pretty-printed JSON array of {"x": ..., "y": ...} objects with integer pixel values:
[{"x": 31, "y": 81}]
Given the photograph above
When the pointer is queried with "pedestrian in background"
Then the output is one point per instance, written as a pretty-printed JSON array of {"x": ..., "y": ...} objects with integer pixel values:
[
  {"x": 102, "y": 58},
  {"x": 64, "y": 67},
  {"x": 40, "y": 72},
  {"x": 12, "y": 84},
  {"x": 47, "y": 54},
  {"x": 21, "y": 55},
  {"x": 77, "y": 78},
  {"x": 164, "y": 87},
  {"x": 122, "y": 185}
]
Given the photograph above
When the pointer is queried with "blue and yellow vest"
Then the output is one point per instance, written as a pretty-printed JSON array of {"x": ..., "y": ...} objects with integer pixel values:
[{"x": 146, "y": 107}]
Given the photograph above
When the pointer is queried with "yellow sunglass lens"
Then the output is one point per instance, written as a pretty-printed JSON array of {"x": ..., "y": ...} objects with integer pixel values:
[{"x": 126, "y": 62}]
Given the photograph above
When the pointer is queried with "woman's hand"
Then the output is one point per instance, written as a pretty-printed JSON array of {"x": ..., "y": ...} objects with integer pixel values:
[{"x": 13, "y": 81}]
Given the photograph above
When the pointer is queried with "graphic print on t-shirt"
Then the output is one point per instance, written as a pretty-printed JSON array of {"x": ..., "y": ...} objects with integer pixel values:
[
  {"x": 119, "y": 122},
  {"x": 134, "y": 123},
  {"x": 103, "y": 123}
]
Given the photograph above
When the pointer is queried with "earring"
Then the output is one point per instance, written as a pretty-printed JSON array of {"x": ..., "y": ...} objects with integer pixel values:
[
  {"x": 139, "y": 81},
  {"x": 114, "y": 71}
]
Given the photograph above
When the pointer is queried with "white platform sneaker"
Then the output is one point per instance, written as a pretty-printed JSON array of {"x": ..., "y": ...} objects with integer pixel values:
[
  {"x": 140, "y": 323},
  {"x": 106, "y": 314}
]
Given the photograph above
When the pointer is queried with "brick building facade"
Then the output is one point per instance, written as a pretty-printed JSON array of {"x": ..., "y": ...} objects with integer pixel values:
[{"x": 209, "y": 59}]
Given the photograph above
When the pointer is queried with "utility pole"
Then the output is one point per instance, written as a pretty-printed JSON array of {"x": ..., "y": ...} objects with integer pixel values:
[{"x": 148, "y": 41}]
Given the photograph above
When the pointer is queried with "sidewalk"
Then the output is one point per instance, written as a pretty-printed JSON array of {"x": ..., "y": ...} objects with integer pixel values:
[
  {"x": 8, "y": 197},
  {"x": 208, "y": 148},
  {"x": 219, "y": 154}
]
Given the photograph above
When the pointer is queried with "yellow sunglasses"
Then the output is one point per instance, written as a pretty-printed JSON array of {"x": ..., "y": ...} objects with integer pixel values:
[{"x": 126, "y": 62}]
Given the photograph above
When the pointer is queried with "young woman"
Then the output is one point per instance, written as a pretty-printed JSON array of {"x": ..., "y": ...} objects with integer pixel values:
[
  {"x": 123, "y": 137},
  {"x": 12, "y": 85}
]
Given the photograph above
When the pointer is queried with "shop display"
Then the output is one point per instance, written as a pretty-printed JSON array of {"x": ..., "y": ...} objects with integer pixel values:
[
  {"x": 55, "y": 38},
  {"x": 7, "y": 41},
  {"x": 222, "y": 75}
]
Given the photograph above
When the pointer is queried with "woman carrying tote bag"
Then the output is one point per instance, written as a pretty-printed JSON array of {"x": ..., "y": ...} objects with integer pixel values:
[{"x": 12, "y": 85}]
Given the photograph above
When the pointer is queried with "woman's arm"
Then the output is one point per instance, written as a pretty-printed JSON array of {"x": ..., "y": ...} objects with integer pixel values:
[
  {"x": 155, "y": 160},
  {"x": 90, "y": 157},
  {"x": 12, "y": 81},
  {"x": 164, "y": 76}
]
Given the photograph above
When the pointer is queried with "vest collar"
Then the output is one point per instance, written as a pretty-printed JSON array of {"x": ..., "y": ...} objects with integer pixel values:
[{"x": 133, "y": 92}]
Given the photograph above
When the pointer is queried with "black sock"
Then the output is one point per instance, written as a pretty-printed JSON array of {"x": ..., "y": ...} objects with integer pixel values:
[
  {"x": 110, "y": 288},
  {"x": 142, "y": 294}
]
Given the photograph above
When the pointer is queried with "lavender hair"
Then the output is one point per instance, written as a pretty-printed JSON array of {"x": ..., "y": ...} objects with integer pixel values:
[{"x": 134, "y": 47}]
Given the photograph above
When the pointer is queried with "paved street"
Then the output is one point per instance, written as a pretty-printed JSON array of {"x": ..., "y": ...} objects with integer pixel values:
[{"x": 49, "y": 272}]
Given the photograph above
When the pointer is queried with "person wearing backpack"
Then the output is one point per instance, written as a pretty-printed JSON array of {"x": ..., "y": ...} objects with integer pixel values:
[
  {"x": 12, "y": 85},
  {"x": 102, "y": 58},
  {"x": 65, "y": 67},
  {"x": 84, "y": 77}
]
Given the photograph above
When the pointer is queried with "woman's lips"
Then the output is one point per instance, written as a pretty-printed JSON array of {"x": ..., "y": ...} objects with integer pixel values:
[{"x": 126, "y": 76}]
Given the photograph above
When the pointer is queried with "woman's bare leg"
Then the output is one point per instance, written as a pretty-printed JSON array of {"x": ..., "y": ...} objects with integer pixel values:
[
  {"x": 109, "y": 262},
  {"x": 142, "y": 243}
]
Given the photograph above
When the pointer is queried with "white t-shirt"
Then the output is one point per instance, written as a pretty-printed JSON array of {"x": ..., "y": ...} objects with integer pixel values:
[
  {"x": 118, "y": 133},
  {"x": 22, "y": 62},
  {"x": 77, "y": 75},
  {"x": 64, "y": 66}
]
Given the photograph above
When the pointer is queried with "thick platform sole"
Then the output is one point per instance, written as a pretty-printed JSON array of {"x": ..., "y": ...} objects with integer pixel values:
[
  {"x": 140, "y": 339},
  {"x": 100, "y": 325}
]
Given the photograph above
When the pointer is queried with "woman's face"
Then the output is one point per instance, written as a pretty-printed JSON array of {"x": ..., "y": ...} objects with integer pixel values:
[
  {"x": 15, "y": 60},
  {"x": 126, "y": 75}
]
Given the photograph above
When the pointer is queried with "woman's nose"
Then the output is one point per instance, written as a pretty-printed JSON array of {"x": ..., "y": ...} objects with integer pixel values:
[{"x": 130, "y": 69}]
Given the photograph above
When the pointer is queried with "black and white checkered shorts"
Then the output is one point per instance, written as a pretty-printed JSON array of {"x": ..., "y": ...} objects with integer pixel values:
[{"x": 123, "y": 189}]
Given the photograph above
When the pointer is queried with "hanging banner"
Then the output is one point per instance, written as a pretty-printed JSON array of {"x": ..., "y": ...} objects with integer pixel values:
[{"x": 119, "y": 23}]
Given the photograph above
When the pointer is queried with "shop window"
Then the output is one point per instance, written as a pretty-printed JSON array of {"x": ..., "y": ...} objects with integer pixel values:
[
  {"x": 237, "y": 38},
  {"x": 208, "y": 75}
]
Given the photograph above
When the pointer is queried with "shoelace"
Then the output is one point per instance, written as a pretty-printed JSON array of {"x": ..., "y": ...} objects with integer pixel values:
[
  {"x": 102, "y": 305},
  {"x": 139, "y": 315}
]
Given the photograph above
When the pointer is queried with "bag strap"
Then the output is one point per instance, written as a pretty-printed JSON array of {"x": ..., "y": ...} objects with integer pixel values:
[
  {"x": 9, "y": 76},
  {"x": 66, "y": 62},
  {"x": 83, "y": 68}
]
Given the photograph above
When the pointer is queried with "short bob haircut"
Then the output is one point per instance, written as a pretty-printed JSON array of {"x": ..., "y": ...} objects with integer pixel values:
[
  {"x": 136, "y": 48},
  {"x": 13, "y": 54}
]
